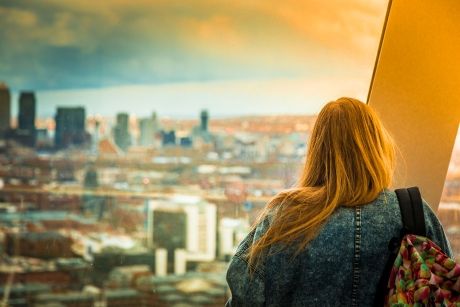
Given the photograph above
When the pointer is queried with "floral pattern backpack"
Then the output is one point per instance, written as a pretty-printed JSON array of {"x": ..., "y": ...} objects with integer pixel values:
[{"x": 418, "y": 272}]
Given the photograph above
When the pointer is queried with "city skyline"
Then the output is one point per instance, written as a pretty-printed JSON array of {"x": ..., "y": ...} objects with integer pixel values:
[
  {"x": 185, "y": 100},
  {"x": 140, "y": 141}
]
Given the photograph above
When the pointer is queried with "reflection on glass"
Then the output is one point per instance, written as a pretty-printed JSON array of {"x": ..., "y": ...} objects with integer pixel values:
[
  {"x": 139, "y": 142},
  {"x": 449, "y": 207}
]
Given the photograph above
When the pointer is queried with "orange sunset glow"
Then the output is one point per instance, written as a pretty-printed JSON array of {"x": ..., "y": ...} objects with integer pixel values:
[{"x": 239, "y": 52}]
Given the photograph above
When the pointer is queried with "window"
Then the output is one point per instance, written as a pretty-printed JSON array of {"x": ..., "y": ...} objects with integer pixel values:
[
  {"x": 146, "y": 137},
  {"x": 449, "y": 207}
]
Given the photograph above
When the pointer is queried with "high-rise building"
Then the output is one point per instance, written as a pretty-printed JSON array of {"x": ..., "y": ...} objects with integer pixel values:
[
  {"x": 147, "y": 132},
  {"x": 27, "y": 111},
  {"x": 149, "y": 128},
  {"x": 200, "y": 134},
  {"x": 26, "y": 132},
  {"x": 121, "y": 131},
  {"x": 70, "y": 127},
  {"x": 95, "y": 138},
  {"x": 183, "y": 223},
  {"x": 204, "y": 117},
  {"x": 5, "y": 109}
]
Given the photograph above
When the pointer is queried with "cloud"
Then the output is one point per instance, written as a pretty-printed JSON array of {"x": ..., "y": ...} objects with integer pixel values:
[{"x": 53, "y": 44}]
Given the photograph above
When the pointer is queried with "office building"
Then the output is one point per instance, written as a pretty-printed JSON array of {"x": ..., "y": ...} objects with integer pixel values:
[
  {"x": 183, "y": 223},
  {"x": 170, "y": 229},
  {"x": 5, "y": 109},
  {"x": 121, "y": 131},
  {"x": 147, "y": 134},
  {"x": 27, "y": 111},
  {"x": 186, "y": 142},
  {"x": 70, "y": 127},
  {"x": 149, "y": 131},
  {"x": 200, "y": 133},
  {"x": 204, "y": 118},
  {"x": 168, "y": 138},
  {"x": 95, "y": 138},
  {"x": 26, "y": 132}
]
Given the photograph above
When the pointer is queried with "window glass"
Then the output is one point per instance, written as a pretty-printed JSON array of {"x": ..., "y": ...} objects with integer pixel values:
[
  {"x": 449, "y": 207},
  {"x": 140, "y": 140}
]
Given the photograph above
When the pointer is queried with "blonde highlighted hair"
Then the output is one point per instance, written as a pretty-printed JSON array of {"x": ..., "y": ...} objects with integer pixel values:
[{"x": 350, "y": 160}]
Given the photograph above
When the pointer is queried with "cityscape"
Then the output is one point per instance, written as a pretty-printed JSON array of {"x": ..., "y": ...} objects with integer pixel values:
[
  {"x": 139, "y": 141},
  {"x": 127, "y": 211},
  {"x": 120, "y": 211}
]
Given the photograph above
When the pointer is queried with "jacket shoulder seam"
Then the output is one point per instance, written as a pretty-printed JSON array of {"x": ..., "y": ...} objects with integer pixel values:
[{"x": 258, "y": 272}]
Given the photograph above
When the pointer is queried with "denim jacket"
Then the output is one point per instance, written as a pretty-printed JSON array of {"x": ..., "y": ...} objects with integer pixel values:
[{"x": 340, "y": 267}]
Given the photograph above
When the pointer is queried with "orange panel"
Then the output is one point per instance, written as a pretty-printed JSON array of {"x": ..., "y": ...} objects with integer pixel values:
[{"x": 416, "y": 89}]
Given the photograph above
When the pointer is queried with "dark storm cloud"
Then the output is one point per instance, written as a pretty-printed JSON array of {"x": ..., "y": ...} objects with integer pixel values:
[{"x": 54, "y": 44}]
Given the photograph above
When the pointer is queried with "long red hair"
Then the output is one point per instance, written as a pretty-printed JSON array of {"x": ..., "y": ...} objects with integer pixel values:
[{"x": 350, "y": 160}]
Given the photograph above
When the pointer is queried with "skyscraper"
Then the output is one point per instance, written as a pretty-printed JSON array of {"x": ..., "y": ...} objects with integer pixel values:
[
  {"x": 200, "y": 133},
  {"x": 27, "y": 111},
  {"x": 70, "y": 127},
  {"x": 121, "y": 131},
  {"x": 5, "y": 109},
  {"x": 26, "y": 132},
  {"x": 147, "y": 133},
  {"x": 204, "y": 116},
  {"x": 149, "y": 128},
  {"x": 95, "y": 138}
]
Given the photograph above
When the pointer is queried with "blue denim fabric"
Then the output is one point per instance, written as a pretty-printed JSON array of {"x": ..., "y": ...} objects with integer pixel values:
[{"x": 340, "y": 267}]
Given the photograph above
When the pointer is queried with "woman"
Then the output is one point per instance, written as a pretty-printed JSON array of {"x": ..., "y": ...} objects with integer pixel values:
[{"x": 325, "y": 242}]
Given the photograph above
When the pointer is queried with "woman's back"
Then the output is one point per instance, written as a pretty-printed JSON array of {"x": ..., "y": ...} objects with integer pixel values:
[
  {"x": 338, "y": 220},
  {"x": 340, "y": 266}
]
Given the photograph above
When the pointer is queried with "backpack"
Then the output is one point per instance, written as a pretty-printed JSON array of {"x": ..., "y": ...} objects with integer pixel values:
[{"x": 418, "y": 272}]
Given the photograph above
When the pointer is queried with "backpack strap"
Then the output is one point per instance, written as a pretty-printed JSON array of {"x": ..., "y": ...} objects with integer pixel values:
[{"x": 411, "y": 206}]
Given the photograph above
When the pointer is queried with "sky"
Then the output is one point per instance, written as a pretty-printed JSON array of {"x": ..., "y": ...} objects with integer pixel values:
[{"x": 177, "y": 57}]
